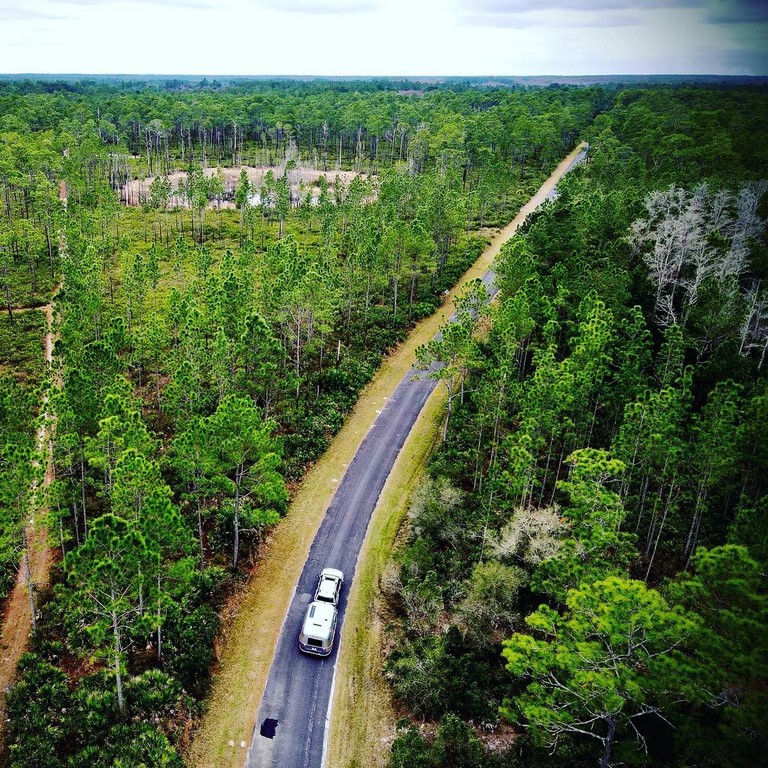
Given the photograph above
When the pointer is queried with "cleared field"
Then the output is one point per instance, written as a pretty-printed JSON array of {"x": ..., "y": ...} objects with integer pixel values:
[{"x": 136, "y": 191}]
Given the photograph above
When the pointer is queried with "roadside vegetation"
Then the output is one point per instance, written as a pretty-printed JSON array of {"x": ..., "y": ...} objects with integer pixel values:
[
  {"x": 583, "y": 576},
  {"x": 208, "y": 354}
]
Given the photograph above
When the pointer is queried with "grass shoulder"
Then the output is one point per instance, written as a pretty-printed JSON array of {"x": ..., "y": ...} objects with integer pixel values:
[{"x": 363, "y": 716}]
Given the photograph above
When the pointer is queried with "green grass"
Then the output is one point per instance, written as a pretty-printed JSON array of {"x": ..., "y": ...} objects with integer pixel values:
[{"x": 138, "y": 232}]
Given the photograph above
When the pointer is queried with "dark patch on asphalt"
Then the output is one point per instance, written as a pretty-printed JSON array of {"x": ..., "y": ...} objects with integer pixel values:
[{"x": 268, "y": 728}]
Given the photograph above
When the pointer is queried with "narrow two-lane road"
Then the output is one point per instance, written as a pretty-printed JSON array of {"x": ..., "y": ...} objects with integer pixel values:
[{"x": 291, "y": 724}]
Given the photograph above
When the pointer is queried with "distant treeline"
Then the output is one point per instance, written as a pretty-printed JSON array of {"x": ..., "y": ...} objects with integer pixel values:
[{"x": 331, "y": 124}]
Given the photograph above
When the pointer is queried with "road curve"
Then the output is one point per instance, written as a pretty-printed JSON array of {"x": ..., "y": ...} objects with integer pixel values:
[{"x": 291, "y": 723}]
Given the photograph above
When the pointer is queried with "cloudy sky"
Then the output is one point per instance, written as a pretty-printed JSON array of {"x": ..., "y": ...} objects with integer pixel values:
[{"x": 385, "y": 37}]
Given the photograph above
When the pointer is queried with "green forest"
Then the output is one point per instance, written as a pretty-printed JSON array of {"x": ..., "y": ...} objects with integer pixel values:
[
  {"x": 581, "y": 578},
  {"x": 587, "y": 559}
]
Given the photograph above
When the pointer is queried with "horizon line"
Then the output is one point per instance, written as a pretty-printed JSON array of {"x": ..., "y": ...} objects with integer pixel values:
[{"x": 384, "y": 76}]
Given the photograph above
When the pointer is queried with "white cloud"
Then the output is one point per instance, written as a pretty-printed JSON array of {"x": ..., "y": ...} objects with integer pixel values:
[
  {"x": 60, "y": 9},
  {"x": 12, "y": 12},
  {"x": 524, "y": 6},
  {"x": 372, "y": 37},
  {"x": 543, "y": 18},
  {"x": 321, "y": 6},
  {"x": 207, "y": 4}
]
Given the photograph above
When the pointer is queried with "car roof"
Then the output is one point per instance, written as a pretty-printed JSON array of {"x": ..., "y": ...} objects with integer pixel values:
[
  {"x": 319, "y": 619},
  {"x": 327, "y": 587}
]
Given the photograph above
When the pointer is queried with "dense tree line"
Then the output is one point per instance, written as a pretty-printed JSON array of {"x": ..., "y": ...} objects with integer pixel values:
[
  {"x": 585, "y": 564},
  {"x": 206, "y": 357},
  {"x": 332, "y": 124}
]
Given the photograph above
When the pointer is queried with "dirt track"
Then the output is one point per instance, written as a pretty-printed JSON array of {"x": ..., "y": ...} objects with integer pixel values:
[{"x": 17, "y": 619}]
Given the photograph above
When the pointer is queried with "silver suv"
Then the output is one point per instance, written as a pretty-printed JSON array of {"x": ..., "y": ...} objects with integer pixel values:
[
  {"x": 319, "y": 626},
  {"x": 329, "y": 586}
]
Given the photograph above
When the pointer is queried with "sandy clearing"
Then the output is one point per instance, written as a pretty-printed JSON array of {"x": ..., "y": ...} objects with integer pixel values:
[{"x": 136, "y": 191}]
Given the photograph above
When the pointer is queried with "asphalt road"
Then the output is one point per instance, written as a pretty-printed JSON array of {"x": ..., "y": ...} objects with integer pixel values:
[
  {"x": 291, "y": 723},
  {"x": 299, "y": 686}
]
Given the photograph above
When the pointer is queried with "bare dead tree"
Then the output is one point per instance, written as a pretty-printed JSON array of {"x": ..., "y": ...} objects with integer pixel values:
[{"x": 689, "y": 239}]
